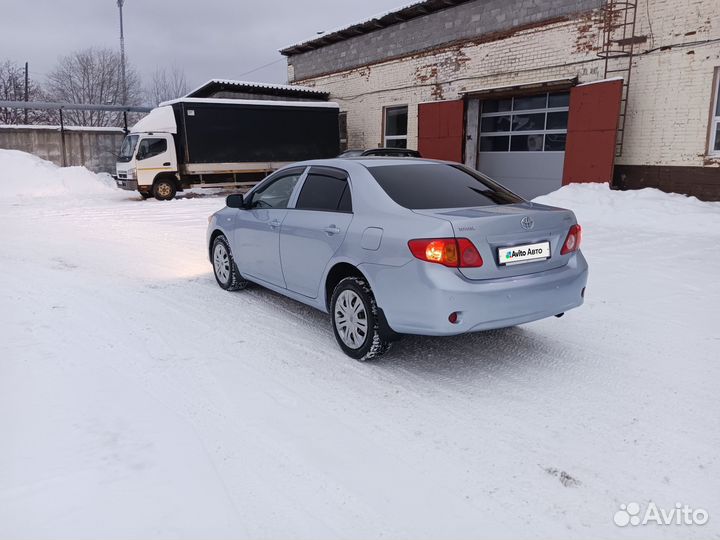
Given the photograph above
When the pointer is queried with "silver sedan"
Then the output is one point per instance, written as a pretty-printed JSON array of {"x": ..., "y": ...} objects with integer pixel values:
[{"x": 392, "y": 246}]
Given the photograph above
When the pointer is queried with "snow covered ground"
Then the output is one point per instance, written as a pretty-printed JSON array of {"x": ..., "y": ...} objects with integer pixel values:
[{"x": 138, "y": 400}]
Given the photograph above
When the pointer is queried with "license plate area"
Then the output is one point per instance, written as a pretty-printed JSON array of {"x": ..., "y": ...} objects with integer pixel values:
[{"x": 525, "y": 253}]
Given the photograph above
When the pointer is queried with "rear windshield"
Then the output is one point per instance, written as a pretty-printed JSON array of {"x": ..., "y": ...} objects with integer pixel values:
[{"x": 438, "y": 185}]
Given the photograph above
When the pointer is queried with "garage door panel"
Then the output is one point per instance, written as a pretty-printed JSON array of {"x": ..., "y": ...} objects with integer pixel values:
[
  {"x": 440, "y": 130},
  {"x": 592, "y": 156},
  {"x": 592, "y": 132},
  {"x": 522, "y": 141},
  {"x": 595, "y": 107},
  {"x": 529, "y": 174}
]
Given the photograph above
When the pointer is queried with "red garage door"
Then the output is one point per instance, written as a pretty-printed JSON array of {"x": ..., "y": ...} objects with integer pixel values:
[
  {"x": 592, "y": 131},
  {"x": 440, "y": 130}
]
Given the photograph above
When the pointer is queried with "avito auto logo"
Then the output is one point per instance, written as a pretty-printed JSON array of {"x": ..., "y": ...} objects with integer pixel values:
[{"x": 631, "y": 514}]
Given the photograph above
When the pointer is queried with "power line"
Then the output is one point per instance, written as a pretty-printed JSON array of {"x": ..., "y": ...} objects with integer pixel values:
[{"x": 261, "y": 67}]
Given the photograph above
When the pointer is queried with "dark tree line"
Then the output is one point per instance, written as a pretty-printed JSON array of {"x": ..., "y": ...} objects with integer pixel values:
[
  {"x": 87, "y": 76},
  {"x": 12, "y": 88}
]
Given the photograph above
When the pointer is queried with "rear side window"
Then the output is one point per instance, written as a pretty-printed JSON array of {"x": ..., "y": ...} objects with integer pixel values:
[
  {"x": 325, "y": 192},
  {"x": 437, "y": 185}
]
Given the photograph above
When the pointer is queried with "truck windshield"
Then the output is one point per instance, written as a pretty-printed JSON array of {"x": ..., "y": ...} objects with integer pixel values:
[{"x": 128, "y": 148}]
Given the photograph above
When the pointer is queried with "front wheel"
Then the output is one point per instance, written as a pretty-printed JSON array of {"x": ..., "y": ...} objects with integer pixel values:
[
  {"x": 224, "y": 267},
  {"x": 164, "y": 189},
  {"x": 355, "y": 320}
]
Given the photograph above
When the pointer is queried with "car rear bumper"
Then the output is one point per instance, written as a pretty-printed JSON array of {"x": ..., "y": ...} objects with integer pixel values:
[{"x": 418, "y": 298}]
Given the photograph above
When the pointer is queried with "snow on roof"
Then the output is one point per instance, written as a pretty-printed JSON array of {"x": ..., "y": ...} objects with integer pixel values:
[
  {"x": 262, "y": 102},
  {"x": 250, "y": 85},
  {"x": 411, "y": 10}
]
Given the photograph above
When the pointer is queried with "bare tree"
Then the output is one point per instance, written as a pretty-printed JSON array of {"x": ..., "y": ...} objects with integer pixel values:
[
  {"x": 12, "y": 88},
  {"x": 93, "y": 76},
  {"x": 167, "y": 83}
]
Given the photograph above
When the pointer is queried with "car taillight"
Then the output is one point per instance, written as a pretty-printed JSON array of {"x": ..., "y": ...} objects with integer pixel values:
[
  {"x": 452, "y": 252},
  {"x": 572, "y": 242}
]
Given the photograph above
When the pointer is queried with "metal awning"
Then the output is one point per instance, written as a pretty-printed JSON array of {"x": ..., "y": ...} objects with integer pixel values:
[
  {"x": 213, "y": 86},
  {"x": 554, "y": 85}
]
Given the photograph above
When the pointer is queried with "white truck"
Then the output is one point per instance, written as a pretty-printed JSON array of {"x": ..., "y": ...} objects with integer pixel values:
[{"x": 190, "y": 142}]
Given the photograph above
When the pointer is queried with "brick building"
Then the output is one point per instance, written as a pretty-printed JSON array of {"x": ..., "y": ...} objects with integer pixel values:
[{"x": 504, "y": 85}]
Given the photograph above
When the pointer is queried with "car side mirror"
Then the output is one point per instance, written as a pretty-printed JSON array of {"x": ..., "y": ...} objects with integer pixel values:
[{"x": 235, "y": 201}]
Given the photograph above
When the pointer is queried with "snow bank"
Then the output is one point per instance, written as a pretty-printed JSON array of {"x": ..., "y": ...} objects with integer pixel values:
[
  {"x": 646, "y": 209},
  {"x": 24, "y": 175}
]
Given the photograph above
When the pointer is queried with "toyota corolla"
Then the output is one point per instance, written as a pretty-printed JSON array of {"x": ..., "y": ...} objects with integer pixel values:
[{"x": 392, "y": 246}]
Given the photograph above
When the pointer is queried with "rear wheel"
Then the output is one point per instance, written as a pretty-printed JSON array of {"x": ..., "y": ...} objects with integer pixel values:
[
  {"x": 355, "y": 320},
  {"x": 164, "y": 189},
  {"x": 224, "y": 267}
]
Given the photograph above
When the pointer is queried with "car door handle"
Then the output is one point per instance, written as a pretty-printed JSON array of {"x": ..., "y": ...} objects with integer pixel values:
[
  {"x": 166, "y": 164},
  {"x": 332, "y": 229},
  {"x": 274, "y": 224}
]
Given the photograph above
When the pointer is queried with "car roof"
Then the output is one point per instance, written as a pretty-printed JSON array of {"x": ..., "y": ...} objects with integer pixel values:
[
  {"x": 369, "y": 161},
  {"x": 391, "y": 149},
  {"x": 378, "y": 161}
]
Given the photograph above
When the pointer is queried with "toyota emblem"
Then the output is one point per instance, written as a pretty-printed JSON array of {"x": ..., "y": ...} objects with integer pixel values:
[{"x": 527, "y": 223}]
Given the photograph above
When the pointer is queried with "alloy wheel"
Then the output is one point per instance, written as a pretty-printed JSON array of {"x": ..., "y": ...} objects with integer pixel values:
[
  {"x": 351, "y": 319},
  {"x": 221, "y": 263}
]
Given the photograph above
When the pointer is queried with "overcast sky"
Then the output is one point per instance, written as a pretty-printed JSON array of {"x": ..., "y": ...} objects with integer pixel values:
[{"x": 208, "y": 38}]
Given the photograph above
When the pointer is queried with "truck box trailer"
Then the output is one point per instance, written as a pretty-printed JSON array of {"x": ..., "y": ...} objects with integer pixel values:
[{"x": 222, "y": 142}]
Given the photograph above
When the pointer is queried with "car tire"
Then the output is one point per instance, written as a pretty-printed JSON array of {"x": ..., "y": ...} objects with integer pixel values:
[
  {"x": 353, "y": 302},
  {"x": 164, "y": 189},
  {"x": 224, "y": 267}
]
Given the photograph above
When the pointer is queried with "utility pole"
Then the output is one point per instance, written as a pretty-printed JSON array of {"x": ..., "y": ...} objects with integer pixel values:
[
  {"x": 122, "y": 54},
  {"x": 26, "y": 91}
]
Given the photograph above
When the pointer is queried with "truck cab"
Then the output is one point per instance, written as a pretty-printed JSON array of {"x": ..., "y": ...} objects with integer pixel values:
[{"x": 148, "y": 163}]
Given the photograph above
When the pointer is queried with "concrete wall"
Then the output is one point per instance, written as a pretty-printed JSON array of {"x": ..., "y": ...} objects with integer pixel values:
[
  {"x": 462, "y": 22},
  {"x": 94, "y": 148},
  {"x": 670, "y": 92}
]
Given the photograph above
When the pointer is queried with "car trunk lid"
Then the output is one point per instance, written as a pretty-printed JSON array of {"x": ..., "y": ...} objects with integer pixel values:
[{"x": 492, "y": 228}]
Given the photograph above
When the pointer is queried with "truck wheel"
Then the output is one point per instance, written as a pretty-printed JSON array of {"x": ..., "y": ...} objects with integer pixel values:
[
  {"x": 355, "y": 320},
  {"x": 164, "y": 189},
  {"x": 224, "y": 267}
]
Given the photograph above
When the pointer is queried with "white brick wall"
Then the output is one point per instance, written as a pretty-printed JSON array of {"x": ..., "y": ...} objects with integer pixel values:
[{"x": 670, "y": 90}]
